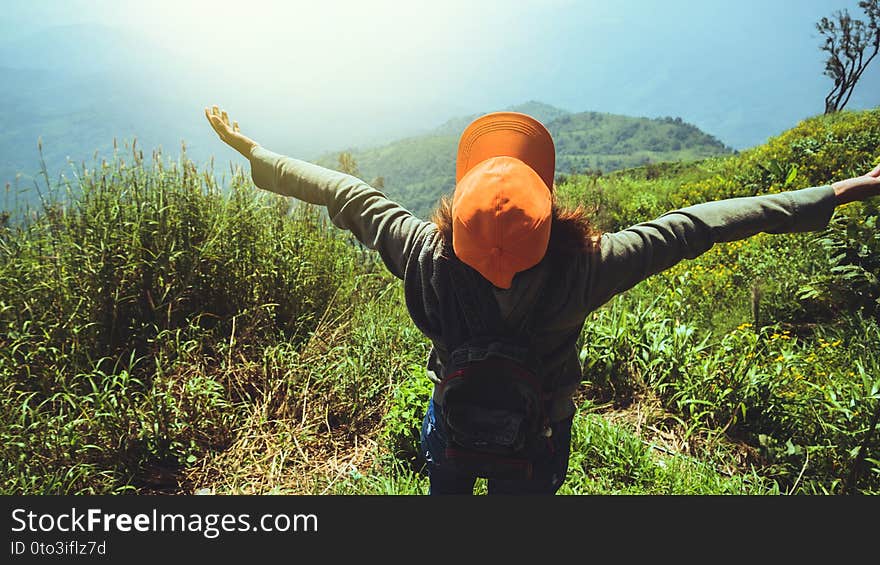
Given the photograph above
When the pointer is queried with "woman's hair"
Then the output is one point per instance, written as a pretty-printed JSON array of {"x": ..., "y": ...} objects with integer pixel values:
[{"x": 572, "y": 230}]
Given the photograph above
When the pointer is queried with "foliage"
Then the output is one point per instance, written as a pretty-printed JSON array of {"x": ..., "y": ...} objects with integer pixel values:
[
  {"x": 404, "y": 417},
  {"x": 852, "y": 249},
  {"x": 609, "y": 458},
  {"x": 594, "y": 141},
  {"x": 119, "y": 303},
  {"x": 787, "y": 364}
]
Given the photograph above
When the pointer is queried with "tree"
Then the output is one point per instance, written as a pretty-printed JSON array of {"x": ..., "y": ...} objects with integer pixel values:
[
  {"x": 347, "y": 164},
  {"x": 851, "y": 46}
]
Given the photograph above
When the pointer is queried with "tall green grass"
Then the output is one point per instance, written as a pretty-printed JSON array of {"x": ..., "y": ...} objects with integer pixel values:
[{"x": 128, "y": 306}]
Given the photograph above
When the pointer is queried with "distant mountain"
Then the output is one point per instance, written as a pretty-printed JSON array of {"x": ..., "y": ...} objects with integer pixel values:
[
  {"x": 592, "y": 141},
  {"x": 77, "y": 88},
  {"x": 417, "y": 170}
]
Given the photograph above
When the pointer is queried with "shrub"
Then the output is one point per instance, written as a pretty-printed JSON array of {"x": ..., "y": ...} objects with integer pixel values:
[
  {"x": 403, "y": 421},
  {"x": 121, "y": 304}
]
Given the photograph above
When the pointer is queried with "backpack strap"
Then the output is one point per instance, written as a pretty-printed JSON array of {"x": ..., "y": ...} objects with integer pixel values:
[
  {"x": 526, "y": 324},
  {"x": 482, "y": 315}
]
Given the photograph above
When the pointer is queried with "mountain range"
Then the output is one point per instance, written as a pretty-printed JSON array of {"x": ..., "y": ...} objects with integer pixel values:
[{"x": 417, "y": 170}]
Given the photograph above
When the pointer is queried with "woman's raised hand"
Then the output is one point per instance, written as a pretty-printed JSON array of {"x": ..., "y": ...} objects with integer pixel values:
[
  {"x": 229, "y": 133},
  {"x": 858, "y": 188}
]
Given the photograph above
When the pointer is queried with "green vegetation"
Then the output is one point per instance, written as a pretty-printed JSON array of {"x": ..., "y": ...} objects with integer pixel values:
[
  {"x": 592, "y": 141},
  {"x": 771, "y": 341},
  {"x": 416, "y": 171},
  {"x": 151, "y": 323},
  {"x": 157, "y": 333}
]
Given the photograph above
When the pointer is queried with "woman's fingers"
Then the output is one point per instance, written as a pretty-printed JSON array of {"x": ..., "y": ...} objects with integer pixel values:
[
  {"x": 217, "y": 124},
  {"x": 218, "y": 118},
  {"x": 229, "y": 132},
  {"x": 210, "y": 116},
  {"x": 222, "y": 117},
  {"x": 875, "y": 173}
]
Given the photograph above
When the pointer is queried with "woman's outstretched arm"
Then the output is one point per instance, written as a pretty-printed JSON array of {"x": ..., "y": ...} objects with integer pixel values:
[
  {"x": 858, "y": 188},
  {"x": 352, "y": 204},
  {"x": 629, "y": 256}
]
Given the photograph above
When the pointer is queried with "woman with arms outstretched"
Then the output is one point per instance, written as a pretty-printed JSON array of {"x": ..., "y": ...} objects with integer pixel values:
[{"x": 502, "y": 274}]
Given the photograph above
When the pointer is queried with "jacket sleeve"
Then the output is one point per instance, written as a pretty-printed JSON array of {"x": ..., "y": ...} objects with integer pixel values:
[
  {"x": 629, "y": 256},
  {"x": 352, "y": 204}
]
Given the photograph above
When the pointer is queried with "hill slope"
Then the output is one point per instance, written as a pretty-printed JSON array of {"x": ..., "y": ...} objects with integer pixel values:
[
  {"x": 607, "y": 142},
  {"x": 417, "y": 170}
]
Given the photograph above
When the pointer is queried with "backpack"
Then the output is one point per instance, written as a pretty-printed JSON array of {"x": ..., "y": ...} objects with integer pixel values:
[{"x": 492, "y": 403}]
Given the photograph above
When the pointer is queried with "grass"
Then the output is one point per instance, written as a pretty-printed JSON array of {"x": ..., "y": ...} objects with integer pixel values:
[
  {"x": 139, "y": 317},
  {"x": 608, "y": 457}
]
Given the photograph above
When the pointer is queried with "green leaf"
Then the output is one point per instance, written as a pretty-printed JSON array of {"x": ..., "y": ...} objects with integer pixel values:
[{"x": 792, "y": 175}]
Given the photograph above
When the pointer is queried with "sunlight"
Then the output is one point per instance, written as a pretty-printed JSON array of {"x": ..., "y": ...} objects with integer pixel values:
[
  {"x": 320, "y": 49},
  {"x": 303, "y": 43}
]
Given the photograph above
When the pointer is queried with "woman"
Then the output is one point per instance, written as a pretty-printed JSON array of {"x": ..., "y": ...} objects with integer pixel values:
[{"x": 548, "y": 268}]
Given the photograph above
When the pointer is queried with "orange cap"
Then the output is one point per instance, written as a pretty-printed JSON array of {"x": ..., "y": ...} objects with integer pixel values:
[
  {"x": 501, "y": 217},
  {"x": 502, "y": 206},
  {"x": 511, "y": 134}
]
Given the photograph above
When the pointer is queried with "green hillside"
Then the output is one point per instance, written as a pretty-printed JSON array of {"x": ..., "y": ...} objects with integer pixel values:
[
  {"x": 417, "y": 170},
  {"x": 592, "y": 141},
  {"x": 159, "y": 334}
]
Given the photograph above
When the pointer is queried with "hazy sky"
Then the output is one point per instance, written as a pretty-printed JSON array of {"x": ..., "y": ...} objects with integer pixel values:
[{"x": 347, "y": 66}]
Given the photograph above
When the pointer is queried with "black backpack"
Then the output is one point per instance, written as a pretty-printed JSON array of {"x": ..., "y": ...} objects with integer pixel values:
[{"x": 491, "y": 403}]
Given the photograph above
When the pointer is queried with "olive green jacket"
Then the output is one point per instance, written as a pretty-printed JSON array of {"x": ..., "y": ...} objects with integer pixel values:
[{"x": 412, "y": 249}]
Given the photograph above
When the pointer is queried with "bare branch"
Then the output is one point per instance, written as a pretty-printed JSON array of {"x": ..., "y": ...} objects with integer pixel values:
[{"x": 846, "y": 42}]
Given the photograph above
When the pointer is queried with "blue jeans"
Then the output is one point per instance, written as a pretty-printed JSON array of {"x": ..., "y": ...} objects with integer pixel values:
[{"x": 549, "y": 467}]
